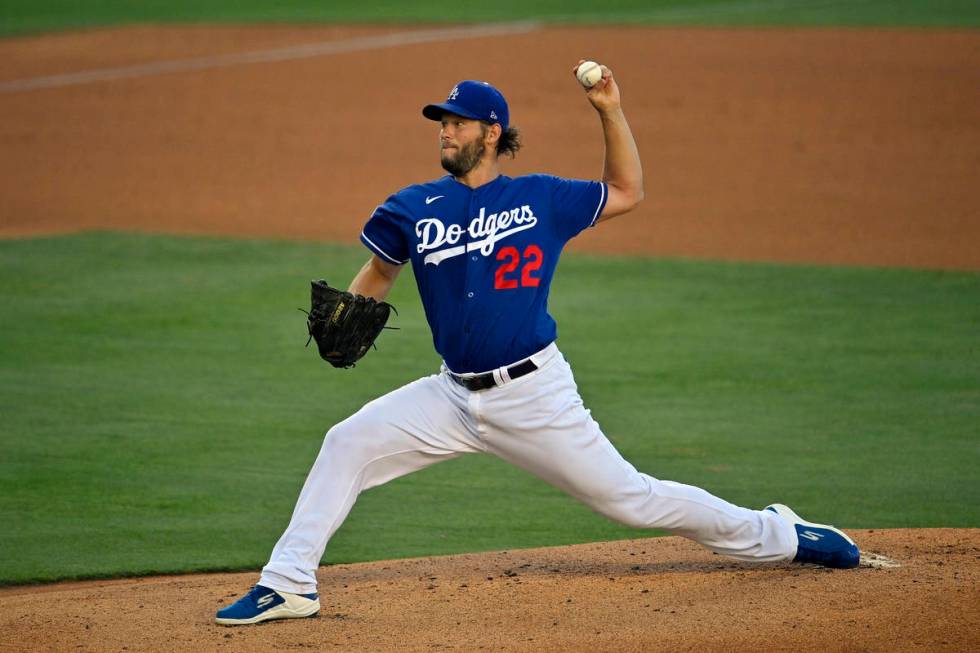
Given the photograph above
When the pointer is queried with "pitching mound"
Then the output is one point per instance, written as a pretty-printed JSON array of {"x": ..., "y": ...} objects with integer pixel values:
[{"x": 920, "y": 590}]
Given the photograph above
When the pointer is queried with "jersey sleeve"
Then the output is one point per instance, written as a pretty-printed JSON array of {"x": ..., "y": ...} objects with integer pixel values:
[
  {"x": 576, "y": 204},
  {"x": 383, "y": 235}
]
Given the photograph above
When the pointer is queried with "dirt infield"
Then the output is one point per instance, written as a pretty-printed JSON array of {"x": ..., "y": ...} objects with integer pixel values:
[
  {"x": 839, "y": 146},
  {"x": 663, "y": 594},
  {"x": 858, "y": 147}
]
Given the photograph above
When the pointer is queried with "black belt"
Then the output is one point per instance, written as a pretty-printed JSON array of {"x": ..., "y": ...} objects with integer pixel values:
[{"x": 486, "y": 381}]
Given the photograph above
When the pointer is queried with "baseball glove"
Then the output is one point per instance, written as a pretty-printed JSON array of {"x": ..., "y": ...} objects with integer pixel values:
[{"x": 344, "y": 326}]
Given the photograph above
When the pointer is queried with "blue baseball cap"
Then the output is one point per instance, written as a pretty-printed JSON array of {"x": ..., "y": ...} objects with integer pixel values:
[{"x": 472, "y": 99}]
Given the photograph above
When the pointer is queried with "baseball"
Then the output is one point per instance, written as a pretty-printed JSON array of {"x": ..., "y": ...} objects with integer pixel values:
[{"x": 589, "y": 73}]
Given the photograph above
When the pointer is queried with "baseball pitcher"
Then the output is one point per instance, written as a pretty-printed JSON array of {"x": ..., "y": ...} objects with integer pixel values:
[{"x": 483, "y": 248}]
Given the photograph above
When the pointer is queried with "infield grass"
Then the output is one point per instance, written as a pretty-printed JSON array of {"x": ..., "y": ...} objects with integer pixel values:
[
  {"x": 26, "y": 16},
  {"x": 159, "y": 411}
]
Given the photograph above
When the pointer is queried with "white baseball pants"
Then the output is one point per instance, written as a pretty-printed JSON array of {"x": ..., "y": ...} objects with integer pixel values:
[{"x": 537, "y": 422}]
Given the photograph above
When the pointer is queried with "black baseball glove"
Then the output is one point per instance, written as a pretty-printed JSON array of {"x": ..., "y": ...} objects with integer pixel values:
[{"x": 344, "y": 326}]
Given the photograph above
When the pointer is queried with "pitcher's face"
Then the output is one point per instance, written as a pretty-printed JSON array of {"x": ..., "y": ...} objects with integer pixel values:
[{"x": 461, "y": 144}]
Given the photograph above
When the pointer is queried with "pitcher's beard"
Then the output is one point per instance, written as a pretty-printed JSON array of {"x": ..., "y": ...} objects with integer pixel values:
[{"x": 467, "y": 158}]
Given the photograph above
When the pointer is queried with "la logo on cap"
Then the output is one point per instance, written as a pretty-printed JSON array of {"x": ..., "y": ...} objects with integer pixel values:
[{"x": 473, "y": 100}]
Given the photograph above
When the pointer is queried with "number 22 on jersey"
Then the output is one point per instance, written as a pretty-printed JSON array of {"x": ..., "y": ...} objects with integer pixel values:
[{"x": 507, "y": 277}]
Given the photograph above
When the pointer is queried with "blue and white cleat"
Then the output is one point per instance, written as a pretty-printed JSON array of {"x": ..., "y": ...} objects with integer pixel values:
[
  {"x": 263, "y": 604},
  {"x": 819, "y": 543}
]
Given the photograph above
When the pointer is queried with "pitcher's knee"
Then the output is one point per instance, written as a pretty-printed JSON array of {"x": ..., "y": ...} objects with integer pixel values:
[
  {"x": 627, "y": 517},
  {"x": 623, "y": 507},
  {"x": 348, "y": 440}
]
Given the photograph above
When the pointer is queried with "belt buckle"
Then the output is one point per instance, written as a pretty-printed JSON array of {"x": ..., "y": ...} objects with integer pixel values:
[
  {"x": 475, "y": 383},
  {"x": 482, "y": 382}
]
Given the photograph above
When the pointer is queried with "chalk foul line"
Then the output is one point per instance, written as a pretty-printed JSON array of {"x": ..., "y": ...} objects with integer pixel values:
[{"x": 291, "y": 53}]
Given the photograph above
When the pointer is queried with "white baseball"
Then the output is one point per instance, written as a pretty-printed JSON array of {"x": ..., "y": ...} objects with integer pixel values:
[{"x": 588, "y": 73}]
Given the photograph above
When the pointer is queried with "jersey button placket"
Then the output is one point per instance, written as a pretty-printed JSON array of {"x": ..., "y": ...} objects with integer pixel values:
[{"x": 469, "y": 294}]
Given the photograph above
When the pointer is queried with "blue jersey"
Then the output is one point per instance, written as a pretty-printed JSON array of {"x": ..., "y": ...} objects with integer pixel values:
[{"x": 484, "y": 259}]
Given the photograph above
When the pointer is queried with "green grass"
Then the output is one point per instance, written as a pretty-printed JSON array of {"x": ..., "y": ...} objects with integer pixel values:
[
  {"x": 160, "y": 413},
  {"x": 26, "y": 16}
]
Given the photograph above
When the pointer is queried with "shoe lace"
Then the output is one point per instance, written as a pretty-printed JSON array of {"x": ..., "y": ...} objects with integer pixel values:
[{"x": 254, "y": 594}]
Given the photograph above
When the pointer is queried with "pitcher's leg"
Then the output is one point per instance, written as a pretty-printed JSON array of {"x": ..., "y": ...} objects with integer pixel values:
[
  {"x": 569, "y": 450},
  {"x": 399, "y": 433}
]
